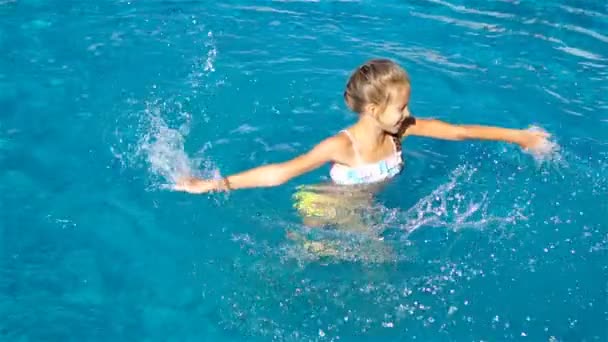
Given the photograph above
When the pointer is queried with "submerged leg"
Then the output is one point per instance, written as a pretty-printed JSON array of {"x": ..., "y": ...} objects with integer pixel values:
[{"x": 345, "y": 214}]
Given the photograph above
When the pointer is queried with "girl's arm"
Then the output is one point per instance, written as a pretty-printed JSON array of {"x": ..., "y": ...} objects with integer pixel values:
[
  {"x": 267, "y": 175},
  {"x": 443, "y": 130}
]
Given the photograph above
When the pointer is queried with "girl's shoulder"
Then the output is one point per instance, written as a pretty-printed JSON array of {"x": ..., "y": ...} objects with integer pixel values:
[{"x": 342, "y": 146}]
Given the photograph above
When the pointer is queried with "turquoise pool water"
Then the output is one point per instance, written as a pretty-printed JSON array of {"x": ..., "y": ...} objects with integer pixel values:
[{"x": 102, "y": 103}]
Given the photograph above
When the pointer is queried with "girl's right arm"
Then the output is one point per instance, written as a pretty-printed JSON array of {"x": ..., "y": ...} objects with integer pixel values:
[{"x": 268, "y": 175}]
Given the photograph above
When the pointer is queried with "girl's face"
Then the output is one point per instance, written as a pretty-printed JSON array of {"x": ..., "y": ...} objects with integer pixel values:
[{"x": 396, "y": 111}]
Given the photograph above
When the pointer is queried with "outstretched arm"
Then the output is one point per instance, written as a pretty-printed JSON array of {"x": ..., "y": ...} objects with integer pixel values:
[
  {"x": 443, "y": 130},
  {"x": 267, "y": 175}
]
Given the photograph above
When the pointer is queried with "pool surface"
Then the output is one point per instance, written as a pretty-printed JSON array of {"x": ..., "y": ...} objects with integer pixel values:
[{"x": 103, "y": 103}]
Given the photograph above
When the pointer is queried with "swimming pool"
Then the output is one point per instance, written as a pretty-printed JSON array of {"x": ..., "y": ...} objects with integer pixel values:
[{"x": 101, "y": 103}]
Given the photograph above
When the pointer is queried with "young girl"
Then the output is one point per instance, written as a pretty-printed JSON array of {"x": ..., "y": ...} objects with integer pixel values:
[
  {"x": 363, "y": 156},
  {"x": 368, "y": 152}
]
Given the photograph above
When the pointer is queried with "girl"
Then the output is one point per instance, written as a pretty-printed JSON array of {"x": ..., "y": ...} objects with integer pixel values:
[
  {"x": 364, "y": 156},
  {"x": 368, "y": 152}
]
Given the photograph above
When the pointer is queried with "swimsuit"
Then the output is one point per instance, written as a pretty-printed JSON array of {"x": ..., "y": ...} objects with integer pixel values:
[{"x": 366, "y": 173}]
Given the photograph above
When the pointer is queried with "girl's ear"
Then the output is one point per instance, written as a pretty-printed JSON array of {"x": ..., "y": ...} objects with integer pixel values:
[{"x": 372, "y": 109}]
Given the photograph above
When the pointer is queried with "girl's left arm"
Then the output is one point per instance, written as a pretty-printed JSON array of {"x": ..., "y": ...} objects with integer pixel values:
[{"x": 442, "y": 130}]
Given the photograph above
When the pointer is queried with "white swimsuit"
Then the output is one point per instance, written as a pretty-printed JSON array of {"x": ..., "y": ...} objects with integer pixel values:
[{"x": 366, "y": 173}]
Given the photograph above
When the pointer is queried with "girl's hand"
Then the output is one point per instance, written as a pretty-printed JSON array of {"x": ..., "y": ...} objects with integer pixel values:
[
  {"x": 197, "y": 186},
  {"x": 534, "y": 140}
]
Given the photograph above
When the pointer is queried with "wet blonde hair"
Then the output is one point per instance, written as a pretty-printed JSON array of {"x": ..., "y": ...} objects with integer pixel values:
[{"x": 370, "y": 84}]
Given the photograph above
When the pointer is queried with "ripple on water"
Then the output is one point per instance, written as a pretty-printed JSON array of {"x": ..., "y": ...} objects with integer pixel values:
[
  {"x": 466, "y": 10},
  {"x": 470, "y": 24},
  {"x": 580, "y": 53},
  {"x": 584, "y": 12}
]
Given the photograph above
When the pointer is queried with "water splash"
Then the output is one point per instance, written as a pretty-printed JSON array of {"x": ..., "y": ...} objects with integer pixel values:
[
  {"x": 164, "y": 124},
  {"x": 549, "y": 153},
  {"x": 450, "y": 205},
  {"x": 162, "y": 146},
  {"x": 202, "y": 67}
]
